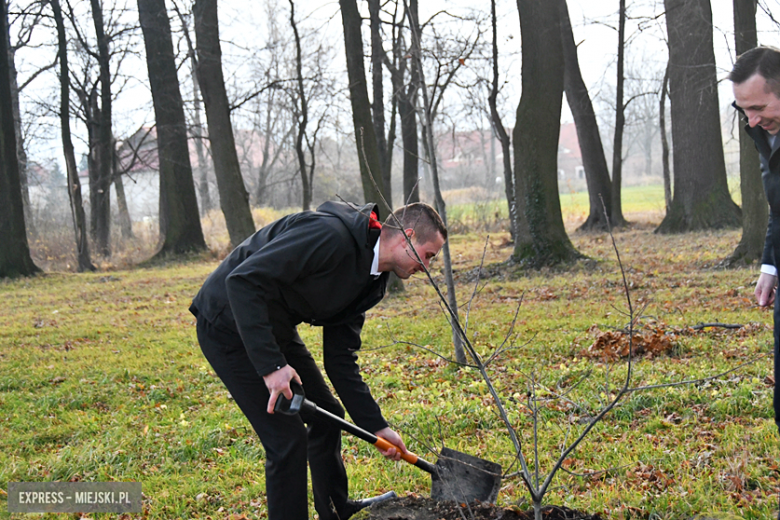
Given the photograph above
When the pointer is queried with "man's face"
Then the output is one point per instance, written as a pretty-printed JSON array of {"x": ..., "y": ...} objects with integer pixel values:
[
  {"x": 761, "y": 105},
  {"x": 406, "y": 263}
]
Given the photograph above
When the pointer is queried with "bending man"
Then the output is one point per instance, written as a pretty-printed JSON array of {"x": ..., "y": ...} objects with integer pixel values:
[{"x": 325, "y": 268}]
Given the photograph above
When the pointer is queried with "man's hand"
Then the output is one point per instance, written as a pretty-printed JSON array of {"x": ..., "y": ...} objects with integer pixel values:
[
  {"x": 393, "y": 438},
  {"x": 765, "y": 289},
  {"x": 278, "y": 382}
]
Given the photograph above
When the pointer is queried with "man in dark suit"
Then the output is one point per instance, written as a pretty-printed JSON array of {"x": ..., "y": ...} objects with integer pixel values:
[
  {"x": 756, "y": 82},
  {"x": 325, "y": 268}
]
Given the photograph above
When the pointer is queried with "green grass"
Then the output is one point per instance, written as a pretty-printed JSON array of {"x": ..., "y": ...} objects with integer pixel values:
[{"x": 101, "y": 379}]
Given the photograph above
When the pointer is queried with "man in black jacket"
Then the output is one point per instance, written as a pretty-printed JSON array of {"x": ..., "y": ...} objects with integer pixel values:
[
  {"x": 326, "y": 268},
  {"x": 756, "y": 82}
]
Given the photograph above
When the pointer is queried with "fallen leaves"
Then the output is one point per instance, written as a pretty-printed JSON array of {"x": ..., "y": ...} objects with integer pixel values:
[{"x": 614, "y": 345}]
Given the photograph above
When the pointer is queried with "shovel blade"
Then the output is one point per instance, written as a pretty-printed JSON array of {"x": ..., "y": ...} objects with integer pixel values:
[{"x": 465, "y": 478}]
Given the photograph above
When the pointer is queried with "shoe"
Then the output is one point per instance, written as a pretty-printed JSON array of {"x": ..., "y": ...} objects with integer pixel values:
[{"x": 353, "y": 506}]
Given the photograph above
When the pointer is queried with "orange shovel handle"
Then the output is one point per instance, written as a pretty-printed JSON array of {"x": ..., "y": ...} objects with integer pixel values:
[{"x": 382, "y": 444}]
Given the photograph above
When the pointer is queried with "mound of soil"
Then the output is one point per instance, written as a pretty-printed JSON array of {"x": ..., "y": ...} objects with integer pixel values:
[{"x": 422, "y": 508}]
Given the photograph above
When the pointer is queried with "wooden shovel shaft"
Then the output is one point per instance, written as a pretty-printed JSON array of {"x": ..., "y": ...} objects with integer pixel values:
[{"x": 379, "y": 442}]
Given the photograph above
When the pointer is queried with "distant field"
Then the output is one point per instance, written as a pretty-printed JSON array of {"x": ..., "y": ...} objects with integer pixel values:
[{"x": 640, "y": 204}]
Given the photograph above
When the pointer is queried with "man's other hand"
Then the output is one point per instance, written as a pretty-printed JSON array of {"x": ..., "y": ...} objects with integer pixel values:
[
  {"x": 765, "y": 289},
  {"x": 278, "y": 382},
  {"x": 393, "y": 438}
]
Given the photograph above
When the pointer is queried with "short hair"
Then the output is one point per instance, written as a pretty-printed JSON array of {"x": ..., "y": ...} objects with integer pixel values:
[
  {"x": 420, "y": 217},
  {"x": 758, "y": 60}
]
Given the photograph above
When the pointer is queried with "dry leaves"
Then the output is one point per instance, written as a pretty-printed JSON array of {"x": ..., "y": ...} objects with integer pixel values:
[{"x": 614, "y": 345}]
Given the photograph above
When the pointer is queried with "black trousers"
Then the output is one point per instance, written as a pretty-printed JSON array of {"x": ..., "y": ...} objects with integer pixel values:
[
  {"x": 289, "y": 441},
  {"x": 776, "y": 400}
]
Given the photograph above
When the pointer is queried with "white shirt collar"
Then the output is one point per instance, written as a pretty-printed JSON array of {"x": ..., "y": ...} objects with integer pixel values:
[{"x": 375, "y": 264}]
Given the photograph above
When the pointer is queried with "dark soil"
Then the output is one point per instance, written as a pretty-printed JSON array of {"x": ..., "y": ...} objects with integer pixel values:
[{"x": 421, "y": 508}]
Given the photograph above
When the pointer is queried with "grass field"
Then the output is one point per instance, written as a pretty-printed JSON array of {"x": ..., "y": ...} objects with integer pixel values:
[{"x": 101, "y": 379}]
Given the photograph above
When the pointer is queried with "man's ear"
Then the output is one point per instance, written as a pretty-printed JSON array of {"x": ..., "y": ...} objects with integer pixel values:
[{"x": 409, "y": 233}]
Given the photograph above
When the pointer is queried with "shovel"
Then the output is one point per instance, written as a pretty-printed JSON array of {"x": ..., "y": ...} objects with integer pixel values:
[{"x": 455, "y": 476}]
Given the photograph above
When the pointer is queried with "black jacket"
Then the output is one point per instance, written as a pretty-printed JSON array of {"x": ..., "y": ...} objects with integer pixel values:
[
  {"x": 309, "y": 267},
  {"x": 770, "y": 177}
]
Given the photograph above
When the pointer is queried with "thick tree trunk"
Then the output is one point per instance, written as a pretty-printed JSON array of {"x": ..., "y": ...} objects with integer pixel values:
[
  {"x": 233, "y": 197},
  {"x": 754, "y": 208},
  {"x": 103, "y": 149},
  {"x": 378, "y": 104},
  {"x": 616, "y": 211},
  {"x": 536, "y": 134},
  {"x": 84, "y": 260},
  {"x": 593, "y": 159},
  {"x": 363, "y": 123},
  {"x": 15, "y": 257},
  {"x": 21, "y": 152},
  {"x": 180, "y": 230},
  {"x": 701, "y": 197}
]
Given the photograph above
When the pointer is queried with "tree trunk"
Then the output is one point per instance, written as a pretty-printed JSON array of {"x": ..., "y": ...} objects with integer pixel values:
[
  {"x": 15, "y": 257},
  {"x": 536, "y": 134},
  {"x": 593, "y": 159},
  {"x": 518, "y": 226},
  {"x": 21, "y": 152},
  {"x": 430, "y": 152},
  {"x": 616, "y": 213},
  {"x": 409, "y": 138},
  {"x": 203, "y": 179},
  {"x": 233, "y": 197},
  {"x": 125, "y": 222},
  {"x": 180, "y": 230},
  {"x": 84, "y": 260},
  {"x": 100, "y": 196},
  {"x": 365, "y": 138},
  {"x": 302, "y": 116},
  {"x": 665, "y": 141},
  {"x": 754, "y": 208},
  {"x": 701, "y": 197},
  {"x": 378, "y": 105}
]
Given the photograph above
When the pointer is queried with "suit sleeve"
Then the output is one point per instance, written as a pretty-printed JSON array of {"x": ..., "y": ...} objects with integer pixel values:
[
  {"x": 340, "y": 344},
  {"x": 768, "y": 256},
  {"x": 306, "y": 247}
]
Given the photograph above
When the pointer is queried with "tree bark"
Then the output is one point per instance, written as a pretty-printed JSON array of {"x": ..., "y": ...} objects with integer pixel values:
[
  {"x": 616, "y": 211},
  {"x": 84, "y": 261},
  {"x": 518, "y": 226},
  {"x": 664, "y": 141},
  {"x": 593, "y": 159},
  {"x": 365, "y": 138},
  {"x": 302, "y": 116},
  {"x": 180, "y": 230},
  {"x": 196, "y": 130},
  {"x": 15, "y": 259},
  {"x": 233, "y": 197},
  {"x": 125, "y": 222},
  {"x": 21, "y": 152},
  {"x": 701, "y": 198},
  {"x": 536, "y": 134},
  {"x": 754, "y": 207},
  {"x": 203, "y": 179},
  {"x": 378, "y": 104},
  {"x": 102, "y": 150}
]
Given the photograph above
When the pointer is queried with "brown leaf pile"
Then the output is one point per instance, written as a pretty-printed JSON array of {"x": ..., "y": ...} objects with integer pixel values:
[{"x": 614, "y": 345}]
